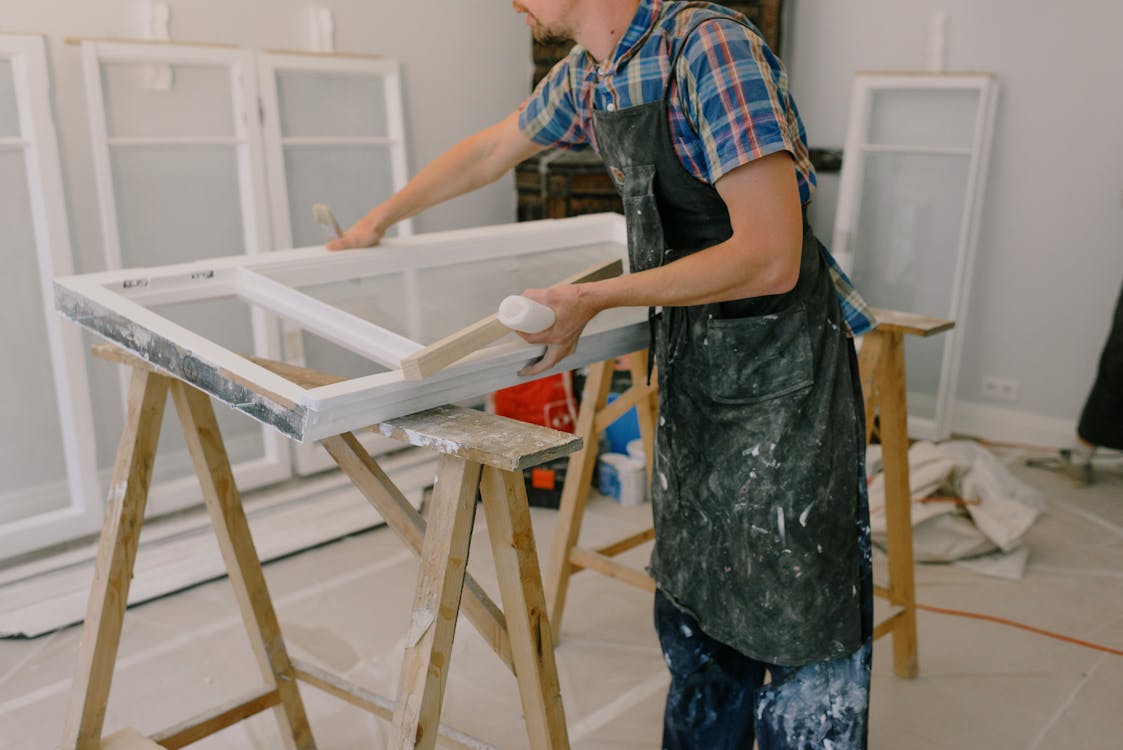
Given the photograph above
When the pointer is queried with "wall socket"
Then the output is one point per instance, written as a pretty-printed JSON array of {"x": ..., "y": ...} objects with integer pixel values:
[{"x": 1000, "y": 389}]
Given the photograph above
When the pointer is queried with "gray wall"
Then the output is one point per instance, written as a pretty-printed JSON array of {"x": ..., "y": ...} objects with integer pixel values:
[{"x": 1050, "y": 255}]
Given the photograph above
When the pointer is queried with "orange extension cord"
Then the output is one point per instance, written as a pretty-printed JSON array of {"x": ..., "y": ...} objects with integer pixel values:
[{"x": 1019, "y": 625}]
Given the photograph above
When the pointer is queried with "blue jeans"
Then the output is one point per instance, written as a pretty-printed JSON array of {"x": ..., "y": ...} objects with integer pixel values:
[{"x": 717, "y": 699}]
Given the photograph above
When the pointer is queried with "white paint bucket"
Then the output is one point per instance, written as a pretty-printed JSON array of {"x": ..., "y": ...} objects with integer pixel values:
[{"x": 623, "y": 478}]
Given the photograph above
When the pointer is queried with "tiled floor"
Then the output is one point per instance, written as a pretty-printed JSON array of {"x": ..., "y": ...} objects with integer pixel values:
[{"x": 345, "y": 607}]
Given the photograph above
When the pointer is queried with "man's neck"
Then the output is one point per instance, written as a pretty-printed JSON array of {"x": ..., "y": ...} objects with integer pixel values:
[{"x": 601, "y": 23}]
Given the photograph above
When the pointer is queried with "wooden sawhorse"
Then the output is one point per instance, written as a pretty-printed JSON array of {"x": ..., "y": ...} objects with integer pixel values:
[
  {"x": 881, "y": 364},
  {"x": 479, "y": 453}
]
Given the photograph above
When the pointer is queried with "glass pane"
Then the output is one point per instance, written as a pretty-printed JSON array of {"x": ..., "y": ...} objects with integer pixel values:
[
  {"x": 32, "y": 470},
  {"x": 924, "y": 118},
  {"x": 348, "y": 179},
  {"x": 9, "y": 109},
  {"x": 906, "y": 246},
  {"x": 227, "y": 322},
  {"x": 331, "y": 104},
  {"x": 378, "y": 299},
  {"x": 198, "y": 103},
  {"x": 176, "y": 204},
  {"x": 455, "y": 295}
]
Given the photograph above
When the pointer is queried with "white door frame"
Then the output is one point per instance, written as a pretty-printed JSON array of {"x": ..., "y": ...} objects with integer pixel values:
[
  {"x": 275, "y": 464},
  {"x": 308, "y": 459},
  {"x": 857, "y": 148},
  {"x": 38, "y": 142}
]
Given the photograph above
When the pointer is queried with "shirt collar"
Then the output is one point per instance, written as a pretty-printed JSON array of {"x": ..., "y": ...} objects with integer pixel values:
[{"x": 643, "y": 22}]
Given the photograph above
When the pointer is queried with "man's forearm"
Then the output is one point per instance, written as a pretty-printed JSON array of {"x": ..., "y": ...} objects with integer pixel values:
[{"x": 474, "y": 162}]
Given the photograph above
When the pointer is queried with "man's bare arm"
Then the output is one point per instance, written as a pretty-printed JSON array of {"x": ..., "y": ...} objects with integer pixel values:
[{"x": 474, "y": 162}]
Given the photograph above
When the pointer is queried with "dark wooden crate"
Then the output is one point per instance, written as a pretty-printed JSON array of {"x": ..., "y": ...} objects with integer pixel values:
[{"x": 556, "y": 184}]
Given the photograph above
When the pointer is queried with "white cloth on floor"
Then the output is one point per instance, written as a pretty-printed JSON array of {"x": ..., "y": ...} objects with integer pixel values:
[{"x": 996, "y": 510}]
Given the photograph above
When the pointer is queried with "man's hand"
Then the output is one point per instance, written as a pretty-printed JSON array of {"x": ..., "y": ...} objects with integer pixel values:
[
  {"x": 572, "y": 311},
  {"x": 363, "y": 233}
]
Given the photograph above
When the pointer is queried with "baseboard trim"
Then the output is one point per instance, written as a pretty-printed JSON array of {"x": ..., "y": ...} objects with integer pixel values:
[{"x": 1011, "y": 426}]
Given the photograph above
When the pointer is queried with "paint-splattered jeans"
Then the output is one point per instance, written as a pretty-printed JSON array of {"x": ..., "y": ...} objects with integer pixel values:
[{"x": 717, "y": 699}]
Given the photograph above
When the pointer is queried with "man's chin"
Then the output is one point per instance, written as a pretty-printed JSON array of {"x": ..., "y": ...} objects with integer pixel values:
[{"x": 544, "y": 35}]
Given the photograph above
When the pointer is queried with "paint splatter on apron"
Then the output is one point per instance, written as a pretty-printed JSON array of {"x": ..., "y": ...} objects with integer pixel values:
[{"x": 759, "y": 531}]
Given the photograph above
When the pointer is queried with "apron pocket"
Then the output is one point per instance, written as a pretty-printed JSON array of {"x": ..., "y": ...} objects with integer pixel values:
[
  {"x": 759, "y": 358},
  {"x": 641, "y": 213}
]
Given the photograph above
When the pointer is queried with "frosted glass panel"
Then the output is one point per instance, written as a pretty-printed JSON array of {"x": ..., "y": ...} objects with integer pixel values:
[
  {"x": 923, "y": 118},
  {"x": 198, "y": 103},
  {"x": 456, "y": 295},
  {"x": 9, "y": 110},
  {"x": 227, "y": 322},
  {"x": 905, "y": 251},
  {"x": 380, "y": 300},
  {"x": 32, "y": 471},
  {"x": 348, "y": 179},
  {"x": 176, "y": 204},
  {"x": 331, "y": 104}
]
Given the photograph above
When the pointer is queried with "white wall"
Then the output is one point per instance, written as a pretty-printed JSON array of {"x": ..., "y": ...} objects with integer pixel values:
[
  {"x": 446, "y": 99},
  {"x": 1050, "y": 256}
]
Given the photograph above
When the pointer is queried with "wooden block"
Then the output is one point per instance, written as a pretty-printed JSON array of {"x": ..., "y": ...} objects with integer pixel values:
[
  {"x": 912, "y": 324},
  {"x": 483, "y": 438},
  {"x": 454, "y": 347},
  {"x": 128, "y": 739}
]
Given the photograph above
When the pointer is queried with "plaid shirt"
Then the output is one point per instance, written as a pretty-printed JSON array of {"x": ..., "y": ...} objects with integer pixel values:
[{"x": 728, "y": 102}]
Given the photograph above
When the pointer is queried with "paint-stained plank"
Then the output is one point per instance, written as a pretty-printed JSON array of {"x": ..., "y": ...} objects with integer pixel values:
[
  {"x": 912, "y": 324},
  {"x": 484, "y": 438}
]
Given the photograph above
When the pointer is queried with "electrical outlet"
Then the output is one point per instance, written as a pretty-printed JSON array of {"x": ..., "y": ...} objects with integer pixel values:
[{"x": 1000, "y": 389}]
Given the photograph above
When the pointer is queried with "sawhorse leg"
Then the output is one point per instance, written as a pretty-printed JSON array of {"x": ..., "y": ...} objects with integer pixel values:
[
  {"x": 117, "y": 555},
  {"x": 594, "y": 418},
  {"x": 882, "y": 369}
]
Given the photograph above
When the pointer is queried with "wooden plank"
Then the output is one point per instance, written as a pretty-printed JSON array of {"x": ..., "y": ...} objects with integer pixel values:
[
  {"x": 912, "y": 324},
  {"x": 520, "y": 585},
  {"x": 583, "y": 558},
  {"x": 873, "y": 347},
  {"x": 224, "y": 505},
  {"x": 480, "y": 437},
  {"x": 436, "y": 602},
  {"x": 898, "y": 503},
  {"x": 890, "y": 624},
  {"x": 575, "y": 492},
  {"x": 215, "y": 720},
  {"x": 647, "y": 410},
  {"x": 456, "y": 346},
  {"x": 128, "y": 739},
  {"x": 639, "y": 396},
  {"x": 128, "y": 494},
  {"x": 407, "y": 523},
  {"x": 377, "y": 705},
  {"x": 627, "y": 543}
]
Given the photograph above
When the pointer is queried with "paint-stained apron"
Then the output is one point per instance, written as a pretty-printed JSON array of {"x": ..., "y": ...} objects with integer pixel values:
[{"x": 758, "y": 530}]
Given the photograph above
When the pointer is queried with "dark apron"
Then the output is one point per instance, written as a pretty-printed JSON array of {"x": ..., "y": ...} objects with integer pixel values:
[{"x": 758, "y": 530}]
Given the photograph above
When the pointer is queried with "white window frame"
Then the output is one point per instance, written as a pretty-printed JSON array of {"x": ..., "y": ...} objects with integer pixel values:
[
  {"x": 275, "y": 463},
  {"x": 116, "y": 306},
  {"x": 865, "y": 87},
  {"x": 38, "y": 142},
  {"x": 308, "y": 459}
]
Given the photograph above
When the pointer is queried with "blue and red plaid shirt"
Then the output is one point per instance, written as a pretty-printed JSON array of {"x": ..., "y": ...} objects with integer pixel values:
[{"x": 728, "y": 102}]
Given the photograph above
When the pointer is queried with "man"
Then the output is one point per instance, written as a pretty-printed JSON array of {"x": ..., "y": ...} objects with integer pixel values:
[{"x": 761, "y": 552}]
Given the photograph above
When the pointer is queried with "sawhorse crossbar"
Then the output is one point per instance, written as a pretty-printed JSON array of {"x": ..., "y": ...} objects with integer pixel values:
[
  {"x": 480, "y": 453},
  {"x": 881, "y": 365}
]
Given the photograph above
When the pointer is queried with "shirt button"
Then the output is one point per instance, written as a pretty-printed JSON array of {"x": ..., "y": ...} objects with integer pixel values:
[{"x": 611, "y": 107}]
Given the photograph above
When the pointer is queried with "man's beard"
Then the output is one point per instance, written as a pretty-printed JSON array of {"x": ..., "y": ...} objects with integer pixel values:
[{"x": 545, "y": 35}]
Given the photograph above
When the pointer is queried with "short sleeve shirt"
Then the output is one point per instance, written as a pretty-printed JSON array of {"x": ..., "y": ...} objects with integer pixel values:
[{"x": 728, "y": 102}]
